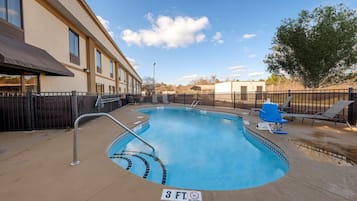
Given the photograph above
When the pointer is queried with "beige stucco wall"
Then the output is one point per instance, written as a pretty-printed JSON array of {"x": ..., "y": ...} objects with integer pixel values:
[
  {"x": 93, "y": 28},
  {"x": 122, "y": 75},
  {"x": 64, "y": 84},
  {"x": 46, "y": 31},
  {"x": 46, "y": 25},
  {"x": 122, "y": 80},
  {"x": 104, "y": 76},
  {"x": 130, "y": 84},
  {"x": 122, "y": 87},
  {"x": 106, "y": 82},
  {"x": 224, "y": 87},
  {"x": 105, "y": 65},
  {"x": 229, "y": 87}
]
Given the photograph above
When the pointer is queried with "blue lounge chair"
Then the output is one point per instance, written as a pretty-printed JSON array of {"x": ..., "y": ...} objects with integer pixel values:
[{"x": 271, "y": 115}]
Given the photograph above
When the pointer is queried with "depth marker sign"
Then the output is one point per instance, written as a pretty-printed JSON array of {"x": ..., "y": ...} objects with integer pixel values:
[{"x": 180, "y": 195}]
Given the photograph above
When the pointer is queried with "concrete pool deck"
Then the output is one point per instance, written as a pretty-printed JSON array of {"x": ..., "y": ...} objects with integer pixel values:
[{"x": 35, "y": 166}]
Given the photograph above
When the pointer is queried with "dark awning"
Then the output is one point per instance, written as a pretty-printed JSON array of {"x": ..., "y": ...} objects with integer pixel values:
[{"x": 17, "y": 54}]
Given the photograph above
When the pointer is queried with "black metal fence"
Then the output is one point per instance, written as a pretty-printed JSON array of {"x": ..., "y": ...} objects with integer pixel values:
[
  {"x": 59, "y": 110},
  {"x": 34, "y": 111},
  {"x": 304, "y": 101}
]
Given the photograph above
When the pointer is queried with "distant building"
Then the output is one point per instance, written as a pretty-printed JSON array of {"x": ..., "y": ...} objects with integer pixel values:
[
  {"x": 239, "y": 86},
  {"x": 224, "y": 91},
  {"x": 60, "y": 45}
]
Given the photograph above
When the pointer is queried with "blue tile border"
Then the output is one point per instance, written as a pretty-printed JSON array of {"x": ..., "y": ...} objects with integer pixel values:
[{"x": 254, "y": 137}]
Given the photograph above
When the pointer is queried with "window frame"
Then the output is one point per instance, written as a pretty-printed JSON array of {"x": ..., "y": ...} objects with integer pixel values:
[
  {"x": 98, "y": 61},
  {"x": 119, "y": 74},
  {"x": 111, "y": 89},
  {"x": 99, "y": 88},
  {"x": 73, "y": 58},
  {"x": 22, "y": 86},
  {"x": 111, "y": 69},
  {"x": 244, "y": 92},
  {"x": 6, "y": 19}
]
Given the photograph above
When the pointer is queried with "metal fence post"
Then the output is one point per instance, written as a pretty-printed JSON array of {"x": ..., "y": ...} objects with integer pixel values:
[
  {"x": 30, "y": 112},
  {"x": 234, "y": 99},
  {"x": 74, "y": 102},
  {"x": 256, "y": 98},
  {"x": 289, "y": 94},
  {"x": 352, "y": 119},
  {"x": 214, "y": 101}
]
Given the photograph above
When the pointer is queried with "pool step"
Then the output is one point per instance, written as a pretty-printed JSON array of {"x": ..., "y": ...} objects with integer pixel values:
[
  {"x": 152, "y": 164},
  {"x": 130, "y": 163}
]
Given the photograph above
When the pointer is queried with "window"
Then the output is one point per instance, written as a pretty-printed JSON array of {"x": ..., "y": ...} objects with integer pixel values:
[
  {"x": 244, "y": 91},
  {"x": 119, "y": 74},
  {"x": 18, "y": 82},
  {"x": 99, "y": 88},
  {"x": 31, "y": 82},
  {"x": 3, "y": 9},
  {"x": 111, "y": 89},
  {"x": 259, "y": 93},
  {"x": 73, "y": 47},
  {"x": 124, "y": 76},
  {"x": 98, "y": 60},
  {"x": 111, "y": 69},
  {"x": 10, "y": 11}
]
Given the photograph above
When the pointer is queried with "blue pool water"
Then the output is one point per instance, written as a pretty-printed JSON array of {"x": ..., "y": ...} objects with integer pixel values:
[{"x": 198, "y": 150}]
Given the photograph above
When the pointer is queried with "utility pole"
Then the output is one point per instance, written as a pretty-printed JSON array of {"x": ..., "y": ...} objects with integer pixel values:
[{"x": 154, "y": 64}]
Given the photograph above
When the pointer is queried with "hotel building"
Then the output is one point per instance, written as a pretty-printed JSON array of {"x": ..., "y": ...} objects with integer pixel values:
[{"x": 60, "y": 45}]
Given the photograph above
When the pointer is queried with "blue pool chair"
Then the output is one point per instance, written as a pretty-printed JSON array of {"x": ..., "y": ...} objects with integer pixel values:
[{"x": 271, "y": 115}]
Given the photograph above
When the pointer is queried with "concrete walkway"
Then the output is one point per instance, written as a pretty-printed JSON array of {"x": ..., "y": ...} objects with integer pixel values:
[{"x": 35, "y": 165}]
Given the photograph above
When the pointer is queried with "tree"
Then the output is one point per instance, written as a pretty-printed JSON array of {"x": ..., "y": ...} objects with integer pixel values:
[
  {"x": 316, "y": 46},
  {"x": 148, "y": 85},
  {"x": 276, "y": 79},
  {"x": 205, "y": 81}
]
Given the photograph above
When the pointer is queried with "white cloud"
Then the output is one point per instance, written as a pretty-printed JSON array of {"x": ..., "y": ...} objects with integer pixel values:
[
  {"x": 150, "y": 17},
  {"x": 133, "y": 63},
  {"x": 248, "y": 36},
  {"x": 106, "y": 24},
  {"x": 200, "y": 37},
  {"x": 255, "y": 74},
  {"x": 252, "y": 56},
  {"x": 186, "y": 79},
  {"x": 217, "y": 38},
  {"x": 168, "y": 32},
  {"x": 131, "y": 37},
  {"x": 237, "y": 69}
]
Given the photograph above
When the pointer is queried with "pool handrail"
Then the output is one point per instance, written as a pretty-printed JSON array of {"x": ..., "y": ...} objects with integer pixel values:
[
  {"x": 75, "y": 135},
  {"x": 195, "y": 103}
]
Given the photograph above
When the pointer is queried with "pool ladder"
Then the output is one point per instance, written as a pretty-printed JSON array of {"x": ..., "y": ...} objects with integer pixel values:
[
  {"x": 75, "y": 136},
  {"x": 195, "y": 103}
]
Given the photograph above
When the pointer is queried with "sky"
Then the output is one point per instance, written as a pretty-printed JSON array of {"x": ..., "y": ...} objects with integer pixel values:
[{"x": 192, "y": 39}]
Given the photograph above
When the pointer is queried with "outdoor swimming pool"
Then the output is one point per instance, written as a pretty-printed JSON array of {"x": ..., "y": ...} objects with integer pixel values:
[{"x": 199, "y": 150}]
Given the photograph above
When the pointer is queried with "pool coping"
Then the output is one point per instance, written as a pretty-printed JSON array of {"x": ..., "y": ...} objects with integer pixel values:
[{"x": 42, "y": 171}]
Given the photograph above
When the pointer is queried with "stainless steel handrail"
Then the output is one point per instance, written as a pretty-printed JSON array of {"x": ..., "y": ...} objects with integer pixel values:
[
  {"x": 75, "y": 136},
  {"x": 195, "y": 103}
]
